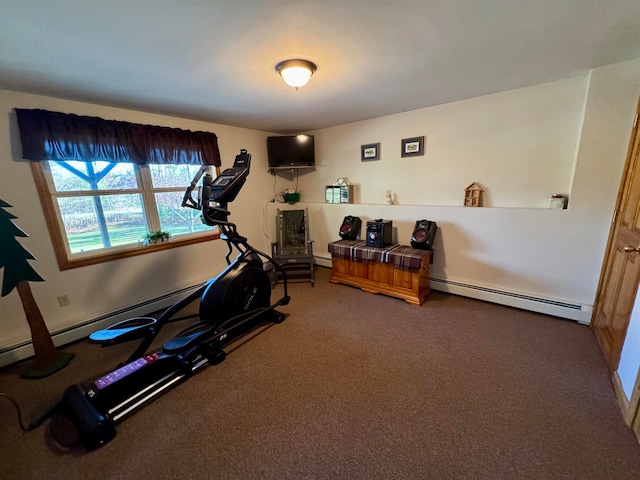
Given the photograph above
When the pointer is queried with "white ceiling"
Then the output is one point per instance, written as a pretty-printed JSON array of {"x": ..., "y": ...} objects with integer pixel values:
[{"x": 214, "y": 60}]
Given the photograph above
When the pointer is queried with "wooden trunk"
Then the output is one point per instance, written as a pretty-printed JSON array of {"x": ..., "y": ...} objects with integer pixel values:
[{"x": 384, "y": 277}]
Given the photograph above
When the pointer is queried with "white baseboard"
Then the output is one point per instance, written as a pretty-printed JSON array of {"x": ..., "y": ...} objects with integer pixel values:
[
  {"x": 16, "y": 353},
  {"x": 580, "y": 313},
  {"x": 549, "y": 306}
]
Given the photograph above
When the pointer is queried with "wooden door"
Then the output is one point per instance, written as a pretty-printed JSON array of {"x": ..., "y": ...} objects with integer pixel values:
[{"x": 621, "y": 269}]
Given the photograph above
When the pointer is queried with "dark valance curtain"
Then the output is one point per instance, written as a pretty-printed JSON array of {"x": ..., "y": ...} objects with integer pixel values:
[{"x": 60, "y": 136}]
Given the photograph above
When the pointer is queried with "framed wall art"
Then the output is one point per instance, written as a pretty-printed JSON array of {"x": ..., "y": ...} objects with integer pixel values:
[
  {"x": 369, "y": 152},
  {"x": 413, "y": 147}
]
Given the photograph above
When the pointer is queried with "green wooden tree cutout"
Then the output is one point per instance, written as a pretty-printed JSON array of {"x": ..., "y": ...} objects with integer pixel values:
[{"x": 17, "y": 274}]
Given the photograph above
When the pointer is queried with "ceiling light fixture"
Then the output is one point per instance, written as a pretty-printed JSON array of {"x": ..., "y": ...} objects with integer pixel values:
[{"x": 296, "y": 72}]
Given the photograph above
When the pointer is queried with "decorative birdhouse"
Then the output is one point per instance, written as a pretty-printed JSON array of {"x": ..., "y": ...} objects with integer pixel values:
[{"x": 473, "y": 195}]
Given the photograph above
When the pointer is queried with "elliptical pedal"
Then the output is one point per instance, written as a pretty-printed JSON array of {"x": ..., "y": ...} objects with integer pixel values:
[
  {"x": 188, "y": 337},
  {"x": 123, "y": 331}
]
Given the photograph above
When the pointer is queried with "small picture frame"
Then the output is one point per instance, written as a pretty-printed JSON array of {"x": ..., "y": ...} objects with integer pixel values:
[
  {"x": 370, "y": 152},
  {"x": 413, "y": 147}
]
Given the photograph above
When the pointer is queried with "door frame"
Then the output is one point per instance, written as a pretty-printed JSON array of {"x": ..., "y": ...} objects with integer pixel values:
[
  {"x": 629, "y": 168},
  {"x": 630, "y": 407}
]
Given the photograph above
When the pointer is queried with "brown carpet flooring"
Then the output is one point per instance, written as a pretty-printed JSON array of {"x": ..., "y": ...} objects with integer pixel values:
[{"x": 357, "y": 386}]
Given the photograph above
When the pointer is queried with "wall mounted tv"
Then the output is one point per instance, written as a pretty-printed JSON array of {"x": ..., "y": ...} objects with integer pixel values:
[{"x": 293, "y": 151}]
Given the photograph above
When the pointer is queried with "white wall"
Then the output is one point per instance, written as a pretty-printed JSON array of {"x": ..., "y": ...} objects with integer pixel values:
[
  {"x": 523, "y": 145},
  {"x": 519, "y": 145}
]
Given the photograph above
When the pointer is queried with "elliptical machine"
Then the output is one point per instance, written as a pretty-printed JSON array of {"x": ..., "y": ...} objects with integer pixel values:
[{"x": 231, "y": 304}]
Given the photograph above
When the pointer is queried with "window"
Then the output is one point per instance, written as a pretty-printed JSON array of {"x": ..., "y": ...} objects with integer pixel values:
[
  {"x": 99, "y": 211},
  {"x": 104, "y": 184}
]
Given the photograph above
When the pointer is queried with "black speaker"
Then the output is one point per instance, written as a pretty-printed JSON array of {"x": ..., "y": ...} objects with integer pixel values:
[
  {"x": 350, "y": 228},
  {"x": 424, "y": 233},
  {"x": 379, "y": 233}
]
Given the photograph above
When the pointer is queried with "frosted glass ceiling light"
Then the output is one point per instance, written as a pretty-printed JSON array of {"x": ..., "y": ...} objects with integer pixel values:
[{"x": 296, "y": 73}]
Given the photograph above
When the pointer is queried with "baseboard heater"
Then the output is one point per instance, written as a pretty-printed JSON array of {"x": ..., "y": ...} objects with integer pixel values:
[
  {"x": 571, "y": 311},
  {"x": 21, "y": 351},
  {"x": 557, "y": 308}
]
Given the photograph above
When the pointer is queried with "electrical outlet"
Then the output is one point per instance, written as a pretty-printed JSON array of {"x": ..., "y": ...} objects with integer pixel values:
[{"x": 64, "y": 300}]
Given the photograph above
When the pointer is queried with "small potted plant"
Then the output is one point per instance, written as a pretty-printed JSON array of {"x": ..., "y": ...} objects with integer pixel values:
[
  {"x": 156, "y": 237},
  {"x": 291, "y": 196}
]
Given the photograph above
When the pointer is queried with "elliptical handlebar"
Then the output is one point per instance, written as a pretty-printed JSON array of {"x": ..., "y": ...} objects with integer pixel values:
[
  {"x": 215, "y": 216},
  {"x": 187, "y": 199}
]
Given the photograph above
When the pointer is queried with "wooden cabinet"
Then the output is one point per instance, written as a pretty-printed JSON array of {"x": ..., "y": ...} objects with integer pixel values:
[{"x": 397, "y": 270}]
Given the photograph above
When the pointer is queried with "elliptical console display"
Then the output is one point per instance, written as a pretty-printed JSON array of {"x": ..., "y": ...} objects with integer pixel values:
[
  {"x": 231, "y": 304},
  {"x": 226, "y": 186}
]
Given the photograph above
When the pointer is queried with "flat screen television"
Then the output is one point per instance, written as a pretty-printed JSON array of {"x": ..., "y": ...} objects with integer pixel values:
[{"x": 291, "y": 151}]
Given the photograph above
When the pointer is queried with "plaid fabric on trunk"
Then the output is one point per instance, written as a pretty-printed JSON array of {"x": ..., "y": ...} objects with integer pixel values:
[
  {"x": 403, "y": 257},
  {"x": 407, "y": 258}
]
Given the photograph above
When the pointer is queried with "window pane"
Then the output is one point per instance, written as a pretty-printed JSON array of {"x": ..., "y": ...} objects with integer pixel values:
[
  {"x": 104, "y": 221},
  {"x": 73, "y": 176},
  {"x": 167, "y": 176},
  {"x": 176, "y": 219}
]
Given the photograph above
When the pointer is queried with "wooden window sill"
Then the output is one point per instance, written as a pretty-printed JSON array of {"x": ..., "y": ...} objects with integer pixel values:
[{"x": 68, "y": 264}]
